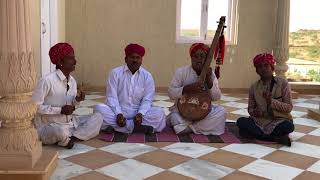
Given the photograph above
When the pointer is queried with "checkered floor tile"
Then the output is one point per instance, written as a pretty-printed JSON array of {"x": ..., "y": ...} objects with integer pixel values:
[{"x": 96, "y": 159}]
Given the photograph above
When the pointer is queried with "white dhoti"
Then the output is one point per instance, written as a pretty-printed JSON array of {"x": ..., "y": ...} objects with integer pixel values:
[
  {"x": 212, "y": 124},
  {"x": 154, "y": 117},
  {"x": 82, "y": 127}
]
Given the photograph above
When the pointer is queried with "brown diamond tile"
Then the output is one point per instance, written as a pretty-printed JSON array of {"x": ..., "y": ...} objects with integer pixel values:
[
  {"x": 238, "y": 175},
  {"x": 102, "y": 100},
  {"x": 291, "y": 159},
  {"x": 306, "y": 175},
  {"x": 92, "y": 176},
  {"x": 245, "y": 101},
  {"x": 169, "y": 100},
  {"x": 303, "y": 129},
  {"x": 309, "y": 139},
  {"x": 275, "y": 145},
  {"x": 216, "y": 145},
  {"x": 95, "y": 159},
  {"x": 219, "y": 102},
  {"x": 239, "y": 95},
  {"x": 159, "y": 144},
  {"x": 96, "y": 142},
  {"x": 232, "y": 116},
  {"x": 228, "y": 159},
  {"x": 169, "y": 175},
  {"x": 230, "y": 109},
  {"x": 163, "y": 159},
  {"x": 297, "y": 108}
]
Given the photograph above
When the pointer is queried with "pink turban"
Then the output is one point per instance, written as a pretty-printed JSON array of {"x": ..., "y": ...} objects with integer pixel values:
[
  {"x": 264, "y": 57},
  {"x": 196, "y": 46},
  {"x": 134, "y": 48},
  {"x": 59, "y": 51}
]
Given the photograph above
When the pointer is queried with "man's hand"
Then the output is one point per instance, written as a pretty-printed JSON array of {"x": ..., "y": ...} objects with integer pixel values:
[
  {"x": 67, "y": 109},
  {"x": 267, "y": 96},
  {"x": 138, "y": 119},
  {"x": 121, "y": 121},
  {"x": 193, "y": 88},
  {"x": 257, "y": 113},
  {"x": 80, "y": 96}
]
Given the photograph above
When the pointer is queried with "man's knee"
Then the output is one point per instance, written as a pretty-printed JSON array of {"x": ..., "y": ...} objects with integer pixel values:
[
  {"x": 60, "y": 133},
  {"x": 218, "y": 112},
  {"x": 97, "y": 117},
  {"x": 286, "y": 127},
  {"x": 156, "y": 113},
  {"x": 100, "y": 108},
  {"x": 242, "y": 122},
  {"x": 51, "y": 135}
]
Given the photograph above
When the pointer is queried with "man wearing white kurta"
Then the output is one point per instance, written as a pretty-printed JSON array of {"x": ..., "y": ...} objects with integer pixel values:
[
  {"x": 56, "y": 97},
  {"x": 130, "y": 92},
  {"x": 185, "y": 79}
]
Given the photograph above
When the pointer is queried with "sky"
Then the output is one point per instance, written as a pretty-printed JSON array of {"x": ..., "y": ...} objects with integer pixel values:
[{"x": 304, "y": 14}]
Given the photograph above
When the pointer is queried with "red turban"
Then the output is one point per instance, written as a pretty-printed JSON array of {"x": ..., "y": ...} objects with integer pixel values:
[
  {"x": 134, "y": 48},
  {"x": 196, "y": 46},
  {"x": 59, "y": 51},
  {"x": 264, "y": 57}
]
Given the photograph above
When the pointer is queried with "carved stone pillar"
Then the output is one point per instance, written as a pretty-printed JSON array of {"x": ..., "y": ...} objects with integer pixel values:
[
  {"x": 19, "y": 143},
  {"x": 281, "y": 49}
]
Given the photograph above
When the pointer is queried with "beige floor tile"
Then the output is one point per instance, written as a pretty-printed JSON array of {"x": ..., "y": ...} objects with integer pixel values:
[
  {"x": 162, "y": 159},
  {"x": 309, "y": 139},
  {"x": 291, "y": 159},
  {"x": 229, "y": 159},
  {"x": 159, "y": 144},
  {"x": 306, "y": 175},
  {"x": 238, "y": 175},
  {"x": 92, "y": 176},
  {"x": 167, "y": 175},
  {"x": 311, "y": 102},
  {"x": 95, "y": 159}
]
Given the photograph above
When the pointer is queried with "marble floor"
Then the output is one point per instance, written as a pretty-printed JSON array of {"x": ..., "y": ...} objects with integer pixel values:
[{"x": 96, "y": 159}]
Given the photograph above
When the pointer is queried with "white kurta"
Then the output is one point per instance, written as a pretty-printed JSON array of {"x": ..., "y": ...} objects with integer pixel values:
[
  {"x": 214, "y": 123},
  {"x": 50, "y": 96},
  {"x": 130, "y": 94}
]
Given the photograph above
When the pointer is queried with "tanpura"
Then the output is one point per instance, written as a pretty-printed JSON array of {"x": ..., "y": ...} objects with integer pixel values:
[{"x": 195, "y": 106}]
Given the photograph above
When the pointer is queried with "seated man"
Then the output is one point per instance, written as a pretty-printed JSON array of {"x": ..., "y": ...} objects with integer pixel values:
[
  {"x": 185, "y": 80},
  {"x": 269, "y": 105},
  {"x": 130, "y": 91},
  {"x": 56, "y": 97}
]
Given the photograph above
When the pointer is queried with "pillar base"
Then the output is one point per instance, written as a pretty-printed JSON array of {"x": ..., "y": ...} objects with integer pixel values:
[{"x": 42, "y": 170}]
